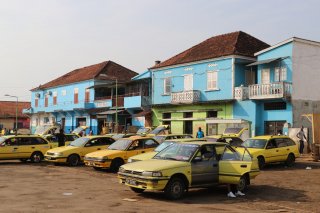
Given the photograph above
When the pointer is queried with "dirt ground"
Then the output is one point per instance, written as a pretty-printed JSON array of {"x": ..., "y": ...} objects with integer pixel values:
[{"x": 27, "y": 187}]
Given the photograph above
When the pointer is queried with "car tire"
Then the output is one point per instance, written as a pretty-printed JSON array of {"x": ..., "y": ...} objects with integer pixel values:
[
  {"x": 73, "y": 160},
  {"x": 243, "y": 183},
  {"x": 137, "y": 190},
  {"x": 290, "y": 160},
  {"x": 261, "y": 162},
  {"x": 36, "y": 157},
  {"x": 115, "y": 164},
  {"x": 175, "y": 188}
]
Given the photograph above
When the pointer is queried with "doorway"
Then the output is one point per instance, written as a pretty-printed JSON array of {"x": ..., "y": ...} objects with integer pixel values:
[
  {"x": 273, "y": 127},
  {"x": 188, "y": 127}
]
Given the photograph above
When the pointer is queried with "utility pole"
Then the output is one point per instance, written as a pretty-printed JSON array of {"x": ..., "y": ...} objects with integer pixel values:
[{"x": 116, "y": 125}]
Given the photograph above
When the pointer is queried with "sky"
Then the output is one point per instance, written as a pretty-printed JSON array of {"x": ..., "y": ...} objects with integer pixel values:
[{"x": 41, "y": 40}]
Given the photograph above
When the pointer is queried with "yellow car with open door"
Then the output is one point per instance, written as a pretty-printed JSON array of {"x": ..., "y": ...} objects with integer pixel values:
[{"x": 188, "y": 165}]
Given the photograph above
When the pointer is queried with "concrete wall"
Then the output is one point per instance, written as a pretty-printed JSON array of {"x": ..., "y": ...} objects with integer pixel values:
[{"x": 306, "y": 71}]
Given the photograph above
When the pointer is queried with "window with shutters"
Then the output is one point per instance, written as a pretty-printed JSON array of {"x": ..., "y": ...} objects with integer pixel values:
[
  {"x": 54, "y": 98},
  {"x": 76, "y": 96},
  {"x": 167, "y": 86},
  {"x": 212, "y": 80},
  {"x": 36, "y": 102},
  {"x": 188, "y": 82},
  {"x": 280, "y": 74},
  {"x": 46, "y": 101},
  {"x": 87, "y": 96}
]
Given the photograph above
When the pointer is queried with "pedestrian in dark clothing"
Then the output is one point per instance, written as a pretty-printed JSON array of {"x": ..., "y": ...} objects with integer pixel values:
[
  {"x": 61, "y": 138},
  {"x": 301, "y": 137},
  {"x": 200, "y": 133}
]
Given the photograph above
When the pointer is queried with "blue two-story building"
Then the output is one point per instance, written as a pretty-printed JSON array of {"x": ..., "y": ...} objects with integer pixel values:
[
  {"x": 281, "y": 87},
  {"x": 97, "y": 96},
  {"x": 196, "y": 87}
]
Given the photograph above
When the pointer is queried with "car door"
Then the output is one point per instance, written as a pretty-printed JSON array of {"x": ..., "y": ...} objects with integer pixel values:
[
  {"x": 271, "y": 151},
  {"x": 25, "y": 147},
  {"x": 233, "y": 165},
  {"x": 149, "y": 145},
  {"x": 136, "y": 147},
  {"x": 204, "y": 166},
  {"x": 283, "y": 150},
  {"x": 38, "y": 144},
  {"x": 91, "y": 146},
  {"x": 8, "y": 149}
]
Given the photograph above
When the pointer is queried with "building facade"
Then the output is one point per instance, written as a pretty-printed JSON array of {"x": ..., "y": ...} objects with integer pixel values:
[
  {"x": 196, "y": 87},
  {"x": 92, "y": 96},
  {"x": 8, "y": 115},
  {"x": 282, "y": 88}
]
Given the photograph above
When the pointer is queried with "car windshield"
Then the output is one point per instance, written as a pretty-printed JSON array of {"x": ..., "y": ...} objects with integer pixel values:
[
  {"x": 121, "y": 144},
  {"x": 40, "y": 130},
  {"x": 163, "y": 146},
  {"x": 159, "y": 138},
  {"x": 142, "y": 130},
  {"x": 2, "y": 139},
  {"x": 158, "y": 130},
  {"x": 80, "y": 142},
  {"x": 228, "y": 131},
  {"x": 78, "y": 129},
  {"x": 178, "y": 152},
  {"x": 255, "y": 143},
  {"x": 117, "y": 136}
]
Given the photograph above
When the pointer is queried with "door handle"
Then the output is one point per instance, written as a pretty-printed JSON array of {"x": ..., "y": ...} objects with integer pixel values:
[
  {"x": 288, "y": 149},
  {"x": 15, "y": 148},
  {"x": 99, "y": 148},
  {"x": 32, "y": 147},
  {"x": 143, "y": 152},
  {"x": 243, "y": 166},
  {"x": 277, "y": 150}
]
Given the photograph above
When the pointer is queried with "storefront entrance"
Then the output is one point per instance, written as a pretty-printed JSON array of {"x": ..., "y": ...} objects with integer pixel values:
[{"x": 273, "y": 127}]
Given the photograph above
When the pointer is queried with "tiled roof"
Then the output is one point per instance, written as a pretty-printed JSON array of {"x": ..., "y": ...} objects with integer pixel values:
[
  {"x": 8, "y": 108},
  {"x": 109, "y": 70},
  {"x": 236, "y": 43}
]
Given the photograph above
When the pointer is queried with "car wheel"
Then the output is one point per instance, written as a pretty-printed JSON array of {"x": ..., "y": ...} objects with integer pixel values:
[
  {"x": 290, "y": 160},
  {"x": 115, "y": 164},
  {"x": 36, "y": 157},
  {"x": 137, "y": 190},
  {"x": 175, "y": 189},
  {"x": 243, "y": 184},
  {"x": 261, "y": 162},
  {"x": 73, "y": 160},
  {"x": 23, "y": 160}
]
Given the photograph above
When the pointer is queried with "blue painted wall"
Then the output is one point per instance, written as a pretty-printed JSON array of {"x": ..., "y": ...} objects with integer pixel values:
[{"x": 199, "y": 72}]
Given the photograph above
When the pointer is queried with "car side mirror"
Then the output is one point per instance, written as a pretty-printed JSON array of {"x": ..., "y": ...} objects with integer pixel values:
[{"x": 197, "y": 159}]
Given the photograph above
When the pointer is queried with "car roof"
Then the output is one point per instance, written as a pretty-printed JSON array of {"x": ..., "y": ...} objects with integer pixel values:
[
  {"x": 204, "y": 143},
  {"x": 137, "y": 137},
  {"x": 267, "y": 137}
]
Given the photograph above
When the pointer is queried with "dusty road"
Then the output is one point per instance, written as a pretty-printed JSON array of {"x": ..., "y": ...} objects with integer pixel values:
[{"x": 47, "y": 188}]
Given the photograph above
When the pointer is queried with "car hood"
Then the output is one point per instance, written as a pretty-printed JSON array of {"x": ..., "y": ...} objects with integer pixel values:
[
  {"x": 144, "y": 156},
  {"x": 154, "y": 165},
  {"x": 105, "y": 153},
  {"x": 64, "y": 149}
]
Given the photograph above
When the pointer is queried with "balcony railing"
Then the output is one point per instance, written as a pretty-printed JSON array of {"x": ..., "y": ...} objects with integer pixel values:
[
  {"x": 241, "y": 93},
  {"x": 270, "y": 91},
  {"x": 191, "y": 96}
]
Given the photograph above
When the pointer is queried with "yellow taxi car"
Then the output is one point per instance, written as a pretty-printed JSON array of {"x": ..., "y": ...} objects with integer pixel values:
[
  {"x": 192, "y": 164},
  {"x": 75, "y": 152},
  {"x": 159, "y": 130},
  {"x": 69, "y": 137},
  {"x": 272, "y": 149},
  {"x": 162, "y": 146},
  {"x": 118, "y": 153},
  {"x": 231, "y": 136},
  {"x": 23, "y": 147}
]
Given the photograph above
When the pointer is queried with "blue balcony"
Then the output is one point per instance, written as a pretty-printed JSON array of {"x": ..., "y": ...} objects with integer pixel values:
[{"x": 136, "y": 101}]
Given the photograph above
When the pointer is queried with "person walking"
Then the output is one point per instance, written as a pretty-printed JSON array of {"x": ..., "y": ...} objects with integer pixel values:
[
  {"x": 301, "y": 137},
  {"x": 61, "y": 138},
  {"x": 200, "y": 133}
]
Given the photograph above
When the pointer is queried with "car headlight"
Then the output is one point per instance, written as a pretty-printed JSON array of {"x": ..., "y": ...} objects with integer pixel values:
[
  {"x": 58, "y": 154},
  {"x": 121, "y": 169},
  {"x": 152, "y": 174}
]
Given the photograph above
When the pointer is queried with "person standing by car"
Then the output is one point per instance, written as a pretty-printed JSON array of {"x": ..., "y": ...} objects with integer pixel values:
[
  {"x": 61, "y": 138},
  {"x": 200, "y": 133},
  {"x": 301, "y": 137},
  {"x": 233, "y": 191}
]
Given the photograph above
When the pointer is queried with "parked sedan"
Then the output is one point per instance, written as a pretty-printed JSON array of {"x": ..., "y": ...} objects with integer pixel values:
[
  {"x": 119, "y": 152},
  {"x": 75, "y": 152},
  {"x": 272, "y": 149},
  {"x": 187, "y": 165}
]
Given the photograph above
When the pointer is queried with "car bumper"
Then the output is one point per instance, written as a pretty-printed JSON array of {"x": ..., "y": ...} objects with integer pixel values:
[
  {"x": 149, "y": 183},
  {"x": 55, "y": 159},
  {"x": 98, "y": 164}
]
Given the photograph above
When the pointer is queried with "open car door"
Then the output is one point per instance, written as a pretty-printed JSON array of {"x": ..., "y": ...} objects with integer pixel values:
[{"x": 235, "y": 166}]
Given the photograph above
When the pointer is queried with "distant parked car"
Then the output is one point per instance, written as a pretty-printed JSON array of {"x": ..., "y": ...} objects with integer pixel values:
[
  {"x": 161, "y": 138},
  {"x": 272, "y": 149}
]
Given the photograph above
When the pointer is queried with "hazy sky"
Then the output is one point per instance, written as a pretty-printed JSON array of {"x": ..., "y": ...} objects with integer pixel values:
[{"x": 41, "y": 40}]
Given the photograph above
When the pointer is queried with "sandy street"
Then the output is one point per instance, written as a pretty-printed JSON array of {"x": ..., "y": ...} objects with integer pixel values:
[{"x": 27, "y": 187}]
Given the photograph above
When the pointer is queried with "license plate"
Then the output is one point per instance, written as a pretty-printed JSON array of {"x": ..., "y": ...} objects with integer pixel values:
[{"x": 131, "y": 182}]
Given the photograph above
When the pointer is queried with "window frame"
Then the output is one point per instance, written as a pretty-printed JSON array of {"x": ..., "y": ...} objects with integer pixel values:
[
  {"x": 212, "y": 77},
  {"x": 167, "y": 84}
]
